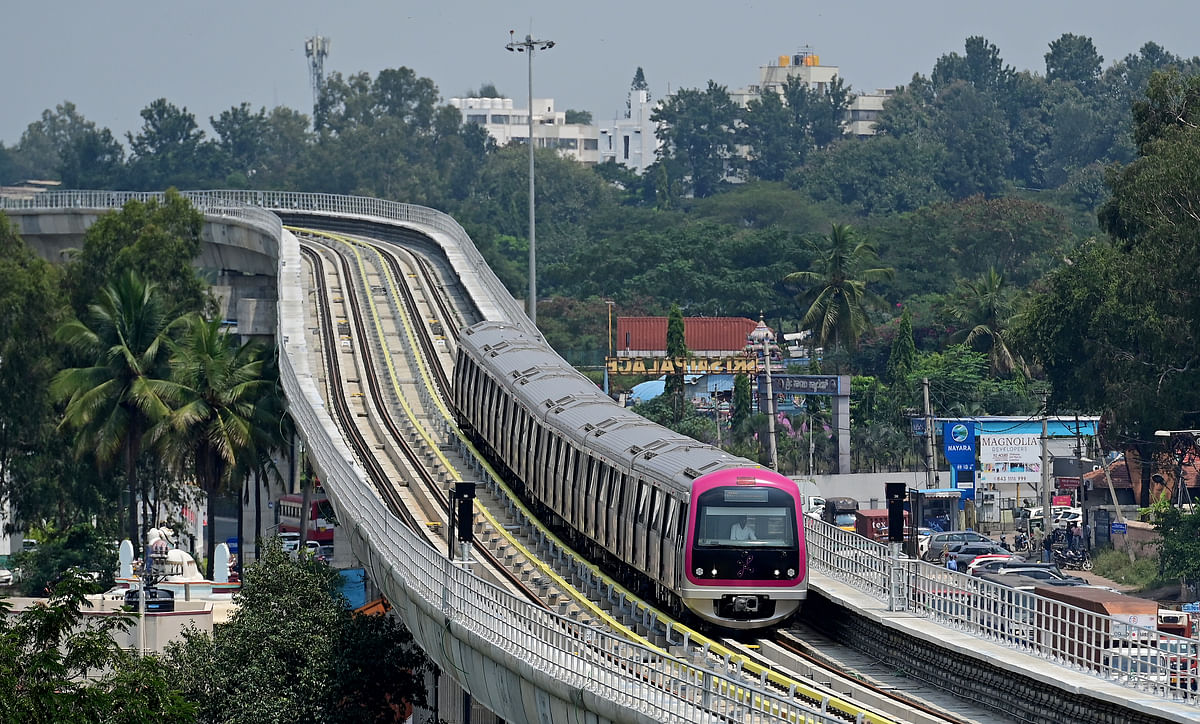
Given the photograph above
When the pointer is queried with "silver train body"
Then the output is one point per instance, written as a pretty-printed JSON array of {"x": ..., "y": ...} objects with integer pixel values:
[{"x": 633, "y": 493}]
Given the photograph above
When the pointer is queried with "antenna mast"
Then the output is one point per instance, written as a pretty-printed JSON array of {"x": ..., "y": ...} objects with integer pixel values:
[{"x": 315, "y": 49}]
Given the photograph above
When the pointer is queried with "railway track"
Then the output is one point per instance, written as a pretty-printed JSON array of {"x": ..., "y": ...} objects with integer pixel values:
[{"x": 787, "y": 668}]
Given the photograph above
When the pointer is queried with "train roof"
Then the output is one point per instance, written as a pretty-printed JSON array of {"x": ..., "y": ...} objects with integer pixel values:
[{"x": 567, "y": 401}]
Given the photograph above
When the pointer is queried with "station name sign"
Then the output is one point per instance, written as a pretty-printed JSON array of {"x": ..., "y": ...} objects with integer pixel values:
[{"x": 687, "y": 365}]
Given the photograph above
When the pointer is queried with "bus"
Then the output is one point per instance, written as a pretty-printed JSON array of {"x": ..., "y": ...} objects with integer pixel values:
[{"x": 321, "y": 518}]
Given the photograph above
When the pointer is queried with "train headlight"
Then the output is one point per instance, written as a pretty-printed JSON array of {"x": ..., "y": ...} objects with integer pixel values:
[
  {"x": 777, "y": 573},
  {"x": 791, "y": 573},
  {"x": 699, "y": 571},
  {"x": 714, "y": 572}
]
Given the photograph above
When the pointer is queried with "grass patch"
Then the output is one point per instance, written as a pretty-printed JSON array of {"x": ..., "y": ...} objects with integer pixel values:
[{"x": 1114, "y": 565}]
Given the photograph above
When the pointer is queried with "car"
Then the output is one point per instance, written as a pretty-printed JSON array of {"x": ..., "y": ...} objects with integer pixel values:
[
  {"x": 1137, "y": 663},
  {"x": 312, "y": 546},
  {"x": 1040, "y": 571},
  {"x": 6, "y": 577},
  {"x": 1068, "y": 518},
  {"x": 936, "y": 542},
  {"x": 990, "y": 562},
  {"x": 964, "y": 553},
  {"x": 290, "y": 541},
  {"x": 325, "y": 553}
]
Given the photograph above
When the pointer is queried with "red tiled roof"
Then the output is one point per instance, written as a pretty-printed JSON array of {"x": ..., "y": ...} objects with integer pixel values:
[
  {"x": 642, "y": 335},
  {"x": 1118, "y": 471}
]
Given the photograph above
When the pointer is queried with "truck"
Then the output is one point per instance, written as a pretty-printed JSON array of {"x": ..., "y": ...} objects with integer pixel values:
[
  {"x": 1108, "y": 619},
  {"x": 840, "y": 512},
  {"x": 872, "y": 523}
]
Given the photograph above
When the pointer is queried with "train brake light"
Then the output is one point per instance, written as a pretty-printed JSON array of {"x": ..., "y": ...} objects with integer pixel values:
[{"x": 747, "y": 481}]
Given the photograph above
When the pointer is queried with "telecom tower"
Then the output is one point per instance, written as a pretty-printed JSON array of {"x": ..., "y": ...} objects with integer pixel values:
[{"x": 315, "y": 49}]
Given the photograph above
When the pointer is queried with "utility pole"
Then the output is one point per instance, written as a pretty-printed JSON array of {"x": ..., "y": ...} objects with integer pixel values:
[
  {"x": 771, "y": 449},
  {"x": 1047, "y": 517},
  {"x": 929, "y": 460}
]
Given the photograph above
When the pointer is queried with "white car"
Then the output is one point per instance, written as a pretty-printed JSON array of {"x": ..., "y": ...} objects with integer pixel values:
[
  {"x": 291, "y": 542},
  {"x": 6, "y": 577}
]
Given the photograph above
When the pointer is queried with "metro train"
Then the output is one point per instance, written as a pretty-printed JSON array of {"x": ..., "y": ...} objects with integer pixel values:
[{"x": 701, "y": 530}]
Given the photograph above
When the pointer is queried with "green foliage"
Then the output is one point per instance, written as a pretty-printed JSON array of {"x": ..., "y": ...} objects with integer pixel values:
[
  {"x": 676, "y": 347},
  {"x": 1073, "y": 59},
  {"x": 698, "y": 130},
  {"x": 159, "y": 239},
  {"x": 739, "y": 411},
  {"x": 960, "y": 385},
  {"x": 112, "y": 403},
  {"x": 684, "y": 420},
  {"x": 1115, "y": 566},
  {"x": 983, "y": 309},
  {"x": 903, "y": 356},
  {"x": 835, "y": 293},
  {"x": 879, "y": 175},
  {"x": 292, "y": 652},
  {"x": 48, "y": 652},
  {"x": 1179, "y": 540},
  {"x": 80, "y": 546},
  {"x": 31, "y": 307}
]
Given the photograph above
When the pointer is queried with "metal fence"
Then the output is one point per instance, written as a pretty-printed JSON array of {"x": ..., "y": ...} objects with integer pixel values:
[{"x": 1132, "y": 654}]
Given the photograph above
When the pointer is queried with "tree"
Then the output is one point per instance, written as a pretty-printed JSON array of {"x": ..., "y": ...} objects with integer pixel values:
[
  {"x": 698, "y": 133},
  {"x": 985, "y": 307},
  {"x": 817, "y": 114},
  {"x": 1178, "y": 543},
  {"x": 113, "y": 403},
  {"x": 57, "y": 665},
  {"x": 836, "y": 293},
  {"x": 215, "y": 385},
  {"x": 170, "y": 150},
  {"x": 875, "y": 176},
  {"x": 767, "y": 131},
  {"x": 159, "y": 238},
  {"x": 580, "y": 117},
  {"x": 676, "y": 349},
  {"x": 80, "y": 546},
  {"x": 317, "y": 663},
  {"x": 241, "y": 138},
  {"x": 31, "y": 307},
  {"x": 1073, "y": 59},
  {"x": 903, "y": 356},
  {"x": 739, "y": 408},
  {"x": 981, "y": 67},
  {"x": 970, "y": 125},
  {"x": 638, "y": 84}
]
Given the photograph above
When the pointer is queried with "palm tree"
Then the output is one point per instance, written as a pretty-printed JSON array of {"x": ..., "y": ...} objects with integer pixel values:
[
  {"x": 837, "y": 296},
  {"x": 215, "y": 384},
  {"x": 986, "y": 307},
  {"x": 114, "y": 402}
]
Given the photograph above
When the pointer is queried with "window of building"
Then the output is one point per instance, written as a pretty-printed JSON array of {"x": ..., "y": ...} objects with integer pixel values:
[
  {"x": 626, "y": 139},
  {"x": 502, "y": 120},
  {"x": 571, "y": 143},
  {"x": 480, "y": 118},
  {"x": 591, "y": 144}
]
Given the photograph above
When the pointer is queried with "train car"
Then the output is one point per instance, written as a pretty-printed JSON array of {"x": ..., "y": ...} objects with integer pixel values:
[{"x": 656, "y": 508}]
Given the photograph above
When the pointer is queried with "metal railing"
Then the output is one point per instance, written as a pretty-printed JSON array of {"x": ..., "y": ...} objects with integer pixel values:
[{"x": 1133, "y": 654}]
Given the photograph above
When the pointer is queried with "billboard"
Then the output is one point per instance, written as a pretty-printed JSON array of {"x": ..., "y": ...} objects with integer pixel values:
[
  {"x": 958, "y": 440},
  {"x": 1009, "y": 459}
]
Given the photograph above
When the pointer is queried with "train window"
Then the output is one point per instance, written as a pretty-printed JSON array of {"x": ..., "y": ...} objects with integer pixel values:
[
  {"x": 672, "y": 508},
  {"x": 642, "y": 501},
  {"x": 656, "y": 509}
]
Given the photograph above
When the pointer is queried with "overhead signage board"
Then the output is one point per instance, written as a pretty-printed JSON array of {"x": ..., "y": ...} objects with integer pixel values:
[
  {"x": 807, "y": 384},
  {"x": 1007, "y": 459}
]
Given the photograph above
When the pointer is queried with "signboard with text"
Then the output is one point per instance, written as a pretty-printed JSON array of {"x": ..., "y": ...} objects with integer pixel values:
[
  {"x": 1009, "y": 459},
  {"x": 958, "y": 441}
]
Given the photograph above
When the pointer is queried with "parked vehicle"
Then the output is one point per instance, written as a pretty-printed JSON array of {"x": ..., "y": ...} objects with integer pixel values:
[
  {"x": 1143, "y": 664},
  {"x": 6, "y": 577},
  {"x": 1120, "y": 620},
  {"x": 964, "y": 553},
  {"x": 936, "y": 543},
  {"x": 290, "y": 540},
  {"x": 1042, "y": 571},
  {"x": 840, "y": 512},
  {"x": 873, "y": 523},
  {"x": 1021, "y": 541},
  {"x": 1073, "y": 560},
  {"x": 991, "y": 562}
]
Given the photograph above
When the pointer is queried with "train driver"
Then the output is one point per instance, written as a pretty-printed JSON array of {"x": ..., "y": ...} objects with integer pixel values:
[{"x": 742, "y": 530}]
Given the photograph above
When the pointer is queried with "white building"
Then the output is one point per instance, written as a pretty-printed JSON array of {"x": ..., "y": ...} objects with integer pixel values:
[
  {"x": 632, "y": 141},
  {"x": 864, "y": 111},
  {"x": 507, "y": 124},
  {"x": 804, "y": 65}
]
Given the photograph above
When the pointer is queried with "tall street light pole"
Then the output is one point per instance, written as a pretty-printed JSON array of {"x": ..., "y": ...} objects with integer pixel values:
[{"x": 528, "y": 46}]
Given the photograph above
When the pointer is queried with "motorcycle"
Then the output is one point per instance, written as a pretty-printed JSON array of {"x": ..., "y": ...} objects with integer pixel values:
[
  {"x": 1073, "y": 560},
  {"x": 1021, "y": 542}
]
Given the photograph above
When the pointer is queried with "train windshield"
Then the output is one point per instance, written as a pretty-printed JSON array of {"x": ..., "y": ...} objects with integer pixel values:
[{"x": 746, "y": 517}]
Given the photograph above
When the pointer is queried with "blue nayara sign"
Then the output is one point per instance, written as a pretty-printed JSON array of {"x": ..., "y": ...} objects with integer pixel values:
[{"x": 958, "y": 440}]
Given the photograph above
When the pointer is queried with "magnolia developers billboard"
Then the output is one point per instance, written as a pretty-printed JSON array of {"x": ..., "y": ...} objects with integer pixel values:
[{"x": 1008, "y": 459}]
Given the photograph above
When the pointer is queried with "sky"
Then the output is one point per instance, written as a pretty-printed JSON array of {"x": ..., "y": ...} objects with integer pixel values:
[{"x": 112, "y": 59}]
